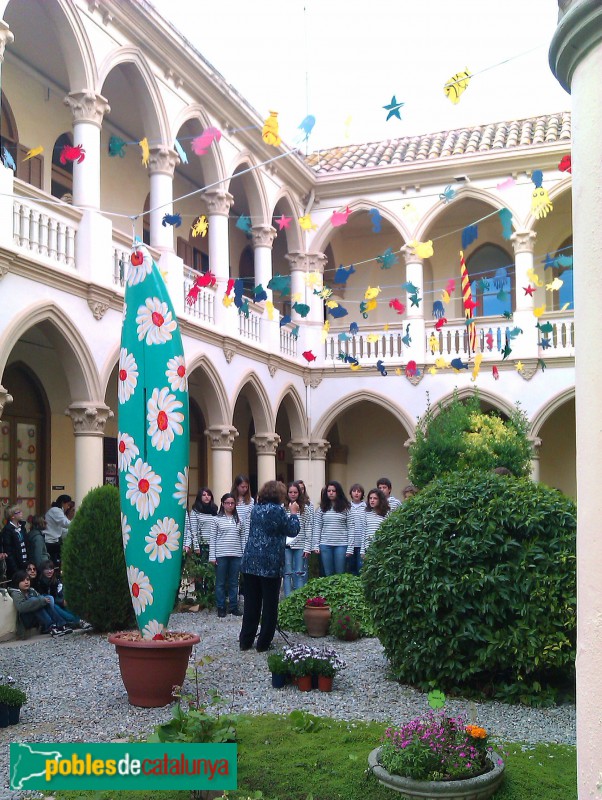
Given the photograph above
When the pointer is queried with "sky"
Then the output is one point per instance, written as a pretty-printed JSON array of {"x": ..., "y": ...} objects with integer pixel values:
[{"x": 343, "y": 61}]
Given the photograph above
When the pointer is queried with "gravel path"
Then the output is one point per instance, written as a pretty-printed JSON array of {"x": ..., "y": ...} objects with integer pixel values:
[{"x": 76, "y": 694}]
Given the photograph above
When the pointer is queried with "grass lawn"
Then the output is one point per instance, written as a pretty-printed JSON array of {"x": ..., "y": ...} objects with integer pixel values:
[{"x": 327, "y": 760}]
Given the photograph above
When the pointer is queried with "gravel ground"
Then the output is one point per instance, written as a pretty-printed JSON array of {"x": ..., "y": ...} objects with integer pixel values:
[{"x": 76, "y": 694}]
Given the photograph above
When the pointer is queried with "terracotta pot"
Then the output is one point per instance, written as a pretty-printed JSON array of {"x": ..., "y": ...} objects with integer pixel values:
[
  {"x": 317, "y": 620},
  {"x": 151, "y": 668},
  {"x": 324, "y": 683},
  {"x": 304, "y": 683}
]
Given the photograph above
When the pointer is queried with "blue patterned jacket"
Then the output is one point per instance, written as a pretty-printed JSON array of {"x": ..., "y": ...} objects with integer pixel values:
[{"x": 268, "y": 527}]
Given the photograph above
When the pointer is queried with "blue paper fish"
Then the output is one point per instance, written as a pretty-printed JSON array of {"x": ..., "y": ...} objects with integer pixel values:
[
  {"x": 505, "y": 216},
  {"x": 259, "y": 293},
  {"x": 285, "y": 319},
  {"x": 469, "y": 235},
  {"x": 181, "y": 152},
  {"x": 342, "y": 273},
  {"x": 381, "y": 368},
  {"x": 243, "y": 223},
  {"x": 338, "y": 312},
  {"x": 457, "y": 363},
  {"x": 376, "y": 220}
]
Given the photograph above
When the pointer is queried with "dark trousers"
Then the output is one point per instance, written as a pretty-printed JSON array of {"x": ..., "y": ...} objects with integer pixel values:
[{"x": 261, "y": 602}]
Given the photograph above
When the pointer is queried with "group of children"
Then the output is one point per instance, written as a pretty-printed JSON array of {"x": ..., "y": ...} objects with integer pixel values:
[{"x": 337, "y": 529}]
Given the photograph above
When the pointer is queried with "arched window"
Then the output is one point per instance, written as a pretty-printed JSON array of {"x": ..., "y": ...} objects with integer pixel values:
[
  {"x": 563, "y": 269},
  {"x": 246, "y": 270},
  {"x": 30, "y": 171},
  {"x": 491, "y": 271},
  {"x": 61, "y": 185}
]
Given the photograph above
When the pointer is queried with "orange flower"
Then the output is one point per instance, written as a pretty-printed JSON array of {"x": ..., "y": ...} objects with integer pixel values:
[{"x": 476, "y": 732}]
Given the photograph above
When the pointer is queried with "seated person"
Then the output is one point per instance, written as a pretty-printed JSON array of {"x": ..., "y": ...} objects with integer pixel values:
[
  {"x": 34, "y": 610},
  {"x": 48, "y": 585}
]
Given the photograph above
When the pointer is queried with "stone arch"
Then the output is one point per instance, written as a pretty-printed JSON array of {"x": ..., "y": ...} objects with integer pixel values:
[
  {"x": 549, "y": 408},
  {"x": 82, "y": 375},
  {"x": 253, "y": 187},
  {"x": 485, "y": 396},
  {"x": 466, "y": 192},
  {"x": 217, "y": 410},
  {"x": 295, "y": 410},
  {"x": 214, "y": 168},
  {"x": 320, "y": 240},
  {"x": 343, "y": 403},
  {"x": 143, "y": 82},
  {"x": 563, "y": 185},
  {"x": 259, "y": 401},
  {"x": 294, "y": 241}
]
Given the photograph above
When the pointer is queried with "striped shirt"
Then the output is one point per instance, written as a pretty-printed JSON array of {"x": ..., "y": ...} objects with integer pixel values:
[
  {"x": 225, "y": 538},
  {"x": 243, "y": 510},
  {"x": 369, "y": 523},
  {"x": 303, "y": 540},
  {"x": 334, "y": 528},
  {"x": 393, "y": 502},
  {"x": 197, "y": 530},
  {"x": 356, "y": 510}
]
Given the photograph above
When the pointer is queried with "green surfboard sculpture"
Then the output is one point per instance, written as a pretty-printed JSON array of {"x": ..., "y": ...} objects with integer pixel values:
[{"x": 153, "y": 443}]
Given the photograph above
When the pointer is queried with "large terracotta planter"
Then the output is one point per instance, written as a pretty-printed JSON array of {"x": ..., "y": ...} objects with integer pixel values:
[
  {"x": 151, "y": 668},
  {"x": 325, "y": 683},
  {"x": 317, "y": 620},
  {"x": 480, "y": 788},
  {"x": 304, "y": 683}
]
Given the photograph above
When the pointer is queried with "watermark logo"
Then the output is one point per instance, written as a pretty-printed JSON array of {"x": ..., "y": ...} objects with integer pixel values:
[{"x": 122, "y": 766}]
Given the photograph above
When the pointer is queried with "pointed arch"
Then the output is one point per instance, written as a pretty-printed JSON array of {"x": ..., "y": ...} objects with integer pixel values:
[
  {"x": 465, "y": 193},
  {"x": 343, "y": 403},
  {"x": 465, "y": 392},
  {"x": 259, "y": 401},
  {"x": 295, "y": 410},
  {"x": 216, "y": 408},
  {"x": 563, "y": 185},
  {"x": 321, "y": 239},
  {"x": 552, "y": 405},
  {"x": 214, "y": 168},
  {"x": 294, "y": 240},
  {"x": 253, "y": 187}
]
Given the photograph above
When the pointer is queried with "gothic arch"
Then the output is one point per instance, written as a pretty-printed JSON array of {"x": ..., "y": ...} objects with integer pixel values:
[
  {"x": 320, "y": 240},
  {"x": 343, "y": 403},
  {"x": 259, "y": 401},
  {"x": 294, "y": 242},
  {"x": 549, "y": 408},
  {"x": 253, "y": 187},
  {"x": 295, "y": 410},
  {"x": 82, "y": 375},
  {"x": 465, "y": 392},
  {"x": 214, "y": 168},
  {"x": 563, "y": 185},
  {"x": 216, "y": 408}
]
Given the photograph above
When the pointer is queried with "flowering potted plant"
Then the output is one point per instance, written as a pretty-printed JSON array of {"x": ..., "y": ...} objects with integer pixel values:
[
  {"x": 427, "y": 755},
  {"x": 11, "y": 700},
  {"x": 345, "y": 625},
  {"x": 300, "y": 660},
  {"x": 327, "y": 663},
  {"x": 279, "y": 667},
  {"x": 316, "y": 615}
]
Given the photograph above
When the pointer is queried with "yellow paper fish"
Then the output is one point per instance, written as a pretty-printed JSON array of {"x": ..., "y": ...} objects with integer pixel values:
[
  {"x": 456, "y": 85},
  {"x": 433, "y": 370},
  {"x": 145, "y": 151},
  {"x": 441, "y": 363},
  {"x": 331, "y": 304},
  {"x": 200, "y": 226},
  {"x": 35, "y": 151},
  {"x": 433, "y": 343},
  {"x": 312, "y": 278},
  {"x": 555, "y": 285},
  {"x": 371, "y": 293},
  {"x": 539, "y": 310},
  {"x": 354, "y": 367},
  {"x": 409, "y": 211},
  {"x": 296, "y": 297},
  {"x": 477, "y": 366},
  {"x": 270, "y": 133},
  {"x": 371, "y": 305},
  {"x": 534, "y": 277},
  {"x": 325, "y": 329},
  {"x": 541, "y": 204},
  {"x": 269, "y": 307},
  {"x": 445, "y": 298},
  {"x": 227, "y": 300},
  {"x": 306, "y": 223},
  {"x": 422, "y": 249},
  {"x": 372, "y": 337}
]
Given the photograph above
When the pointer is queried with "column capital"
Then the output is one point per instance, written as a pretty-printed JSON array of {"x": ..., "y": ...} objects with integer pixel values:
[
  {"x": 316, "y": 262},
  {"x": 578, "y": 32},
  {"x": 410, "y": 257},
  {"x": 523, "y": 241},
  {"x": 6, "y": 37},
  {"x": 87, "y": 107},
  {"x": 218, "y": 202},
  {"x": 5, "y": 399},
  {"x": 162, "y": 161},
  {"x": 89, "y": 419},
  {"x": 299, "y": 448},
  {"x": 221, "y": 437},
  {"x": 318, "y": 449},
  {"x": 297, "y": 261},
  {"x": 266, "y": 443},
  {"x": 263, "y": 235},
  {"x": 535, "y": 443}
]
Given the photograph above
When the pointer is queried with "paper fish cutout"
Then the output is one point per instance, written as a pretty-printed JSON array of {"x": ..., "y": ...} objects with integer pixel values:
[
  {"x": 306, "y": 223},
  {"x": 171, "y": 219},
  {"x": 239, "y": 287},
  {"x": 371, "y": 293},
  {"x": 339, "y": 218},
  {"x": 457, "y": 85},
  {"x": 302, "y": 309},
  {"x": 180, "y": 151},
  {"x": 381, "y": 368},
  {"x": 270, "y": 133},
  {"x": 243, "y": 223},
  {"x": 539, "y": 311},
  {"x": 433, "y": 344},
  {"x": 353, "y": 328},
  {"x": 555, "y": 285},
  {"x": 477, "y": 366},
  {"x": 564, "y": 261},
  {"x": 507, "y": 184},
  {"x": 469, "y": 235},
  {"x": 507, "y": 314},
  {"x": 200, "y": 145},
  {"x": 441, "y": 363},
  {"x": 409, "y": 210},
  {"x": 411, "y": 369},
  {"x": 393, "y": 108},
  {"x": 312, "y": 278},
  {"x": 35, "y": 151},
  {"x": 308, "y": 356},
  {"x": 407, "y": 339},
  {"x": 269, "y": 307},
  {"x": 534, "y": 277},
  {"x": 259, "y": 294},
  {"x": 505, "y": 216},
  {"x": 285, "y": 319},
  {"x": 338, "y": 312},
  {"x": 547, "y": 327},
  {"x": 438, "y": 309},
  {"x": 8, "y": 160},
  {"x": 307, "y": 126},
  {"x": 470, "y": 305},
  {"x": 447, "y": 195},
  {"x": 342, "y": 273},
  {"x": 117, "y": 146},
  {"x": 143, "y": 144},
  {"x": 295, "y": 331},
  {"x": 495, "y": 373},
  {"x": 514, "y": 333},
  {"x": 506, "y": 351},
  {"x": 372, "y": 337},
  {"x": 458, "y": 364},
  {"x": 200, "y": 226},
  {"x": 422, "y": 249},
  {"x": 284, "y": 222},
  {"x": 397, "y": 305},
  {"x": 387, "y": 259},
  {"x": 440, "y": 323},
  {"x": 280, "y": 283},
  {"x": 541, "y": 205},
  {"x": 243, "y": 308},
  {"x": 72, "y": 153},
  {"x": 376, "y": 220},
  {"x": 565, "y": 164}
]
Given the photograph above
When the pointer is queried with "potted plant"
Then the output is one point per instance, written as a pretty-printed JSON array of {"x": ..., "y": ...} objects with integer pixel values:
[
  {"x": 345, "y": 625},
  {"x": 11, "y": 700},
  {"x": 438, "y": 756},
  {"x": 316, "y": 615},
  {"x": 279, "y": 667},
  {"x": 299, "y": 659},
  {"x": 327, "y": 663}
]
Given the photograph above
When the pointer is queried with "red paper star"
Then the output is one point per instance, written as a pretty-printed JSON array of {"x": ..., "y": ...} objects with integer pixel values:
[
  {"x": 529, "y": 290},
  {"x": 284, "y": 222}
]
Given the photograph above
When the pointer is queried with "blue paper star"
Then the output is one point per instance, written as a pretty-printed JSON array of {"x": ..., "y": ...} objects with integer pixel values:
[{"x": 393, "y": 109}]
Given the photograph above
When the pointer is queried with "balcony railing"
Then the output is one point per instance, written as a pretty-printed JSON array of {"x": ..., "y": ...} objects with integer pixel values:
[
  {"x": 288, "y": 342},
  {"x": 122, "y": 250},
  {"x": 249, "y": 327},
  {"x": 203, "y": 308}
]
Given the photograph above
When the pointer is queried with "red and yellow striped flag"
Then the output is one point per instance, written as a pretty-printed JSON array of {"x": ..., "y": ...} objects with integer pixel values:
[{"x": 468, "y": 304}]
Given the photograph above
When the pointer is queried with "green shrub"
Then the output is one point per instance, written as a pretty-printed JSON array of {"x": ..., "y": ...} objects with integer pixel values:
[
  {"x": 339, "y": 590},
  {"x": 460, "y": 436},
  {"x": 94, "y": 573},
  {"x": 472, "y": 587}
]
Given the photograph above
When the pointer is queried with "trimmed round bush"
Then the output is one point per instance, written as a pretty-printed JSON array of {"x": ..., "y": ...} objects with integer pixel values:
[
  {"x": 472, "y": 587},
  {"x": 94, "y": 573},
  {"x": 338, "y": 590}
]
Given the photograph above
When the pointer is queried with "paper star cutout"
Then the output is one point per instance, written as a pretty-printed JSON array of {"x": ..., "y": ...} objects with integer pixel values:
[
  {"x": 393, "y": 109},
  {"x": 528, "y": 290},
  {"x": 415, "y": 300},
  {"x": 545, "y": 343},
  {"x": 284, "y": 222},
  {"x": 519, "y": 366}
]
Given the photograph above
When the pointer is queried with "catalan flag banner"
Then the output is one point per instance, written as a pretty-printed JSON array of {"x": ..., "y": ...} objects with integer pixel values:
[{"x": 468, "y": 304}]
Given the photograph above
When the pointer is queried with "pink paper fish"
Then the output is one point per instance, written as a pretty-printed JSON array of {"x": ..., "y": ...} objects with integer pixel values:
[
  {"x": 340, "y": 217},
  {"x": 201, "y": 144}
]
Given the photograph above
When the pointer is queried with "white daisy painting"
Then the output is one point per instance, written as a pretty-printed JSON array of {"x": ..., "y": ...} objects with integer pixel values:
[
  {"x": 126, "y": 530},
  {"x": 153, "y": 630},
  {"x": 155, "y": 322},
  {"x": 127, "y": 376},
  {"x": 163, "y": 540},
  {"x": 176, "y": 374},
  {"x": 126, "y": 451},
  {"x": 141, "y": 264},
  {"x": 144, "y": 488},
  {"x": 164, "y": 418},
  {"x": 141, "y": 589},
  {"x": 181, "y": 492}
]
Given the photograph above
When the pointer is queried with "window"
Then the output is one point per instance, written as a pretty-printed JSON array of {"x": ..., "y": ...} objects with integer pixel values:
[
  {"x": 30, "y": 171},
  {"x": 192, "y": 256}
]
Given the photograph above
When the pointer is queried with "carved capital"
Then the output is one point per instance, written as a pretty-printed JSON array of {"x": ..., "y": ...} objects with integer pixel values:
[
  {"x": 6, "y": 37},
  {"x": 162, "y": 161},
  {"x": 523, "y": 241},
  {"x": 297, "y": 261},
  {"x": 409, "y": 257},
  {"x": 266, "y": 444},
  {"x": 5, "y": 399},
  {"x": 221, "y": 437},
  {"x": 228, "y": 354},
  {"x": 535, "y": 443},
  {"x": 218, "y": 202},
  {"x": 312, "y": 379},
  {"x": 263, "y": 235},
  {"x": 316, "y": 262},
  {"x": 87, "y": 107},
  {"x": 3, "y": 268},
  {"x": 300, "y": 448},
  {"x": 318, "y": 449},
  {"x": 89, "y": 419}
]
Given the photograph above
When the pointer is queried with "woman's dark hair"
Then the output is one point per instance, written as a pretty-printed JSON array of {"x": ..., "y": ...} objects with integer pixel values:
[
  {"x": 340, "y": 502},
  {"x": 272, "y": 492},
  {"x": 204, "y": 508},
  {"x": 359, "y": 487},
  {"x": 30, "y": 564},
  {"x": 61, "y": 500},
  {"x": 246, "y": 498},
  {"x": 301, "y": 500},
  {"x": 17, "y": 577},
  {"x": 303, "y": 491},
  {"x": 384, "y": 482},
  {"x": 383, "y": 508},
  {"x": 221, "y": 512}
]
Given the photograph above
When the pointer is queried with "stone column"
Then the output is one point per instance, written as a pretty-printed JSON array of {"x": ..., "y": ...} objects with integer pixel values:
[
  {"x": 337, "y": 464},
  {"x": 263, "y": 239},
  {"x": 310, "y": 327},
  {"x": 89, "y": 420},
  {"x": 221, "y": 439},
  {"x": 218, "y": 205},
  {"x": 415, "y": 313},
  {"x": 576, "y": 60},
  {"x": 535, "y": 445},
  {"x": 93, "y": 243},
  {"x": 301, "y": 462},
  {"x": 266, "y": 445},
  {"x": 317, "y": 466},
  {"x": 5, "y": 399},
  {"x": 525, "y": 345},
  {"x": 6, "y": 37}
]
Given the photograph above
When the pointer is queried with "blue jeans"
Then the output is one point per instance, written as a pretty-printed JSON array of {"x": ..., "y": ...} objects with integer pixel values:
[
  {"x": 227, "y": 571},
  {"x": 354, "y": 562},
  {"x": 67, "y": 617},
  {"x": 295, "y": 570},
  {"x": 332, "y": 557}
]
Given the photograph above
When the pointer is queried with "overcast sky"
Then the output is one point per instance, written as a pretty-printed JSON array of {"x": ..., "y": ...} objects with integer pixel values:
[{"x": 339, "y": 60}]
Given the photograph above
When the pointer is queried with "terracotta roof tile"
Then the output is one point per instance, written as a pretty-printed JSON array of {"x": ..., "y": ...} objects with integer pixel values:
[{"x": 548, "y": 129}]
